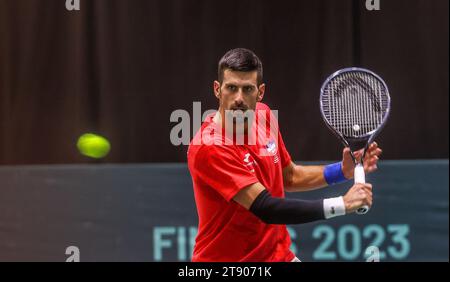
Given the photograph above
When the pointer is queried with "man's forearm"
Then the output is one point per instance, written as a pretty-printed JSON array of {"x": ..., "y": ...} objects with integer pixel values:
[
  {"x": 298, "y": 178},
  {"x": 304, "y": 178},
  {"x": 273, "y": 210}
]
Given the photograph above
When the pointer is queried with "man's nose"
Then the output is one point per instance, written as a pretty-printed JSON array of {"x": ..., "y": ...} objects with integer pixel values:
[{"x": 239, "y": 99}]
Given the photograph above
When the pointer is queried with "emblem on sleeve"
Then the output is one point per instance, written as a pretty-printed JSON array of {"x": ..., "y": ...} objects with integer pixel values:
[{"x": 249, "y": 162}]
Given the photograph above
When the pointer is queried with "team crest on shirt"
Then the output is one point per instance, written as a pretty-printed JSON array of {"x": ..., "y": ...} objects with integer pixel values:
[{"x": 272, "y": 149}]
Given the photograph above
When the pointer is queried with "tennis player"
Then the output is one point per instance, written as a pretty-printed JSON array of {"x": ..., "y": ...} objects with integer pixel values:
[{"x": 240, "y": 187}]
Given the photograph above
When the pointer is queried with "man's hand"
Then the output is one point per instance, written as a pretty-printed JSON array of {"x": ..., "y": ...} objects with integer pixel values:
[
  {"x": 370, "y": 160},
  {"x": 359, "y": 195}
]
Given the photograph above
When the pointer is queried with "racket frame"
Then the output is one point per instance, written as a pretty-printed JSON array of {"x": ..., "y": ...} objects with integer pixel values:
[
  {"x": 361, "y": 142},
  {"x": 355, "y": 143}
]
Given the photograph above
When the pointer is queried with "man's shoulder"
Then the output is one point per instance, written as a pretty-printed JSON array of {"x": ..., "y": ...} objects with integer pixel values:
[
  {"x": 262, "y": 106},
  {"x": 210, "y": 141},
  {"x": 201, "y": 157}
]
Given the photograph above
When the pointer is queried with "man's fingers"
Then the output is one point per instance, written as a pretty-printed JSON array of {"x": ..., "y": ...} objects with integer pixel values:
[
  {"x": 374, "y": 152},
  {"x": 373, "y": 145},
  {"x": 371, "y": 163},
  {"x": 371, "y": 160},
  {"x": 377, "y": 152},
  {"x": 366, "y": 196},
  {"x": 363, "y": 185},
  {"x": 372, "y": 168},
  {"x": 368, "y": 192},
  {"x": 366, "y": 199},
  {"x": 369, "y": 201},
  {"x": 358, "y": 154},
  {"x": 366, "y": 187},
  {"x": 362, "y": 195}
]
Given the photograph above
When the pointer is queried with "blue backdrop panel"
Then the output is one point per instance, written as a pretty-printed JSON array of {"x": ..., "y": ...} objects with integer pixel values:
[{"x": 147, "y": 213}]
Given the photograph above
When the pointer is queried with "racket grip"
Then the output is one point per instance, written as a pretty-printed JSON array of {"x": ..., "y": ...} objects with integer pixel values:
[
  {"x": 360, "y": 177},
  {"x": 359, "y": 174}
]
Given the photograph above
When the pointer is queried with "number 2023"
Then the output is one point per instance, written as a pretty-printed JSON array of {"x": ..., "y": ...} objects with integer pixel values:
[{"x": 349, "y": 239}]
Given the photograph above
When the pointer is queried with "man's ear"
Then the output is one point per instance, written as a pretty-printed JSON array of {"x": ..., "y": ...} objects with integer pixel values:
[
  {"x": 261, "y": 91},
  {"x": 216, "y": 87}
]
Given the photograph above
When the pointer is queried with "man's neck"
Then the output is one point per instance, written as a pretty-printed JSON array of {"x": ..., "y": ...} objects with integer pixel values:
[{"x": 217, "y": 119}]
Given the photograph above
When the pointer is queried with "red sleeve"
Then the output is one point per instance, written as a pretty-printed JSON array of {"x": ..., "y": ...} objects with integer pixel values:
[
  {"x": 221, "y": 168},
  {"x": 284, "y": 154}
]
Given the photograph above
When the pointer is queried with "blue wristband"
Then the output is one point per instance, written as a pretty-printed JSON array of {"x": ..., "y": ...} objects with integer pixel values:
[{"x": 333, "y": 173}]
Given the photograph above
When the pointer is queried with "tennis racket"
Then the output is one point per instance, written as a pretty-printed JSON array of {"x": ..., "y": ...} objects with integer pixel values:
[{"x": 355, "y": 105}]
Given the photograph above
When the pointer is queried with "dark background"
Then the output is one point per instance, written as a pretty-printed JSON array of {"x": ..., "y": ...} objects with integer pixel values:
[{"x": 119, "y": 69}]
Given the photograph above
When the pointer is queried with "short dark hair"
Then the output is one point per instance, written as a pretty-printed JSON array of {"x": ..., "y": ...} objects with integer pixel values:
[{"x": 240, "y": 59}]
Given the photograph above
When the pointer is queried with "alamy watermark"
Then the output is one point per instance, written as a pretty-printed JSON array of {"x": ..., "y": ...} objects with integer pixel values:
[
  {"x": 372, "y": 254},
  {"x": 73, "y": 253},
  {"x": 73, "y": 5},
  {"x": 241, "y": 127},
  {"x": 373, "y": 5}
]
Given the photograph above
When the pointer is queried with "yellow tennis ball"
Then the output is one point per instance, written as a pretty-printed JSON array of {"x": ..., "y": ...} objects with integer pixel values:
[{"x": 94, "y": 146}]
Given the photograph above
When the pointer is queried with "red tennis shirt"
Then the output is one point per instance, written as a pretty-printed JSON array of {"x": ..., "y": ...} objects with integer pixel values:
[{"x": 219, "y": 170}]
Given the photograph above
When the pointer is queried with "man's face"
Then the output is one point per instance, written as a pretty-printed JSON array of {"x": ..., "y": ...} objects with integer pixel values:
[{"x": 238, "y": 93}]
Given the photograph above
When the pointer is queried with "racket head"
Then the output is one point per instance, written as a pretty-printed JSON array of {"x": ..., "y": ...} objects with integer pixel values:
[{"x": 355, "y": 105}]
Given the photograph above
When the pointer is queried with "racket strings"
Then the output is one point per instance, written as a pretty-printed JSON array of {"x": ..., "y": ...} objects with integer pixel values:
[{"x": 355, "y": 103}]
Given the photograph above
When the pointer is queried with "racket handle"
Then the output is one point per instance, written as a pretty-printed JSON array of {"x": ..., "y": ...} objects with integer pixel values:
[
  {"x": 360, "y": 177},
  {"x": 359, "y": 174}
]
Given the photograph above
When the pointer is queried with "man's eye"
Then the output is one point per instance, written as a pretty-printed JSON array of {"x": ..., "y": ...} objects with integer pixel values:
[
  {"x": 231, "y": 87},
  {"x": 248, "y": 89}
]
